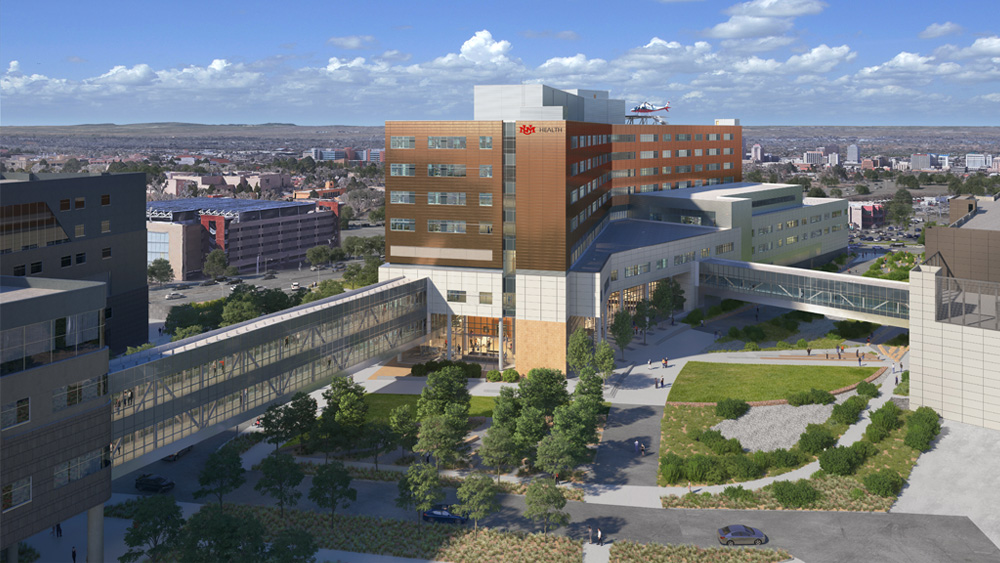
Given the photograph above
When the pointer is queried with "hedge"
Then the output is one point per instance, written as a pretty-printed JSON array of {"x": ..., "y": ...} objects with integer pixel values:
[
  {"x": 884, "y": 483},
  {"x": 731, "y": 408},
  {"x": 845, "y": 460},
  {"x": 811, "y": 397},
  {"x": 471, "y": 370},
  {"x": 694, "y": 317},
  {"x": 510, "y": 375},
  {"x": 794, "y": 495}
]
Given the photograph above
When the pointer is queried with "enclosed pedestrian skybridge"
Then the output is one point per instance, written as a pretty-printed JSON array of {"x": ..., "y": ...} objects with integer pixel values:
[{"x": 837, "y": 295}]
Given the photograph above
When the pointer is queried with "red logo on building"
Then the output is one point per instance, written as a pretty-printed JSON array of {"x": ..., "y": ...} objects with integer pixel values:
[{"x": 527, "y": 129}]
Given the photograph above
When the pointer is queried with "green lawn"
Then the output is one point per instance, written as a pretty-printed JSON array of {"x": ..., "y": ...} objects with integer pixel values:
[
  {"x": 380, "y": 404},
  {"x": 709, "y": 382}
]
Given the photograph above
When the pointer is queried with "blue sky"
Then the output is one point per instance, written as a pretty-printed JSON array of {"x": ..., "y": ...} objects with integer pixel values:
[{"x": 767, "y": 62}]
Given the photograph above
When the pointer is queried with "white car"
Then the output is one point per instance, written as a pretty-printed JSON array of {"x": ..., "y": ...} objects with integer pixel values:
[
  {"x": 174, "y": 295},
  {"x": 295, "y": 285}
]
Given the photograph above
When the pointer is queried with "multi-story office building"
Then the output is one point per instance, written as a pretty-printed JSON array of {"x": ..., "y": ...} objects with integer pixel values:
[
  {"x": 920, "y": 162},
  {"x": 852, "y": 154},
  {"x": 81, "y": 227},
  {"x": 254, "y": 234},
  {"x": 866, "y": 215},
  {"x": 55, "y": 424},
  {"x": 756, "y": 153},
  {"x": 527, "y": 220},
  {"x": 977, "y": 161},
  {"x": 813, "y": 157}
]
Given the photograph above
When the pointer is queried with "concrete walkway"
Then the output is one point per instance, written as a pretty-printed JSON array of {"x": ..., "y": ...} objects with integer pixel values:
[{"x": 617, "y": 462}]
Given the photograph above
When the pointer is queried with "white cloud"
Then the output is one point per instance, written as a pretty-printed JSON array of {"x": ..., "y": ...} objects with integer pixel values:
[
  {"x": 820, "y": 59},
  {"x": 743, "y": 26},
  {"x": 482, "y": 48},
  {"x": 122, "y": 75},
  {"x": 777, "y": 8},
  {"x": 994, "y": 97},
  {"x": 394, "y": 56},
  {"x": 757, "y": 44},
  {"x": 13, "y": 67},
  {"x": 352, "y": 42},
  {"x": 940, "y": 30}
]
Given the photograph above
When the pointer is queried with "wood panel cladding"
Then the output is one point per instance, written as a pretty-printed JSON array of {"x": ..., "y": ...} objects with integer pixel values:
[
  {"x": 542, "y": 195},
  {"x": 472, "y": 185}
]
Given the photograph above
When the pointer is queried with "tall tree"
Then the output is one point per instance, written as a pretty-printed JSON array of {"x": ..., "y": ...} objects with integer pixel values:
[
  {"x": 159, "y": 271},
  {"x": 331, "y": 488},
  {"x": 215, "y": 263},
  {"x": 439, "y": 437},
  {"x": 506, "y": 409},
  {"x": 420, "y": 488},
  {"x": 580, "y": 351},
  {"x": 293, "y": 545},
  {"x": 222, "y": 474},
  {"x": 446, "y": 386},
  {"x": 544, "y": 389},
  {"x": 621, "y": 330},
  {"x": 280, "y": 477},
  {"x": 477, "y": 497},
  {"x": 668, "y": 297},
  {"x": 378, "y": 437},
  {"x": 318, "y": 255},
  {"x": 274, "y": 426},
  {"x": 544, "y": 502},
  {"x": 213, "y": 535},
  {"x": 404, "y": 426},
  {"x": 238, "y": 311},
  {"x": 558, "y": 454},
  {"x": 590, "y": 385},
  {"x": 531, "y": 428},
  {"x": 156, "y": 527},
  {"x": 604, "y": 359},
  {"x": 299, "y": 415},
  {"x": 500, "y": 449}
]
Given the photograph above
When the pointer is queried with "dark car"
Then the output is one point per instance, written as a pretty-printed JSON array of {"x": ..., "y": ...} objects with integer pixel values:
[
  {"x": 442, "y": 513},
  {"x": 269, "y": 276},
  {"x": 153, "y": 483},
  {"x": 741, "y": 535},
  {"x": 209, "y": 282},
  {"x": 178, "y": 454}
]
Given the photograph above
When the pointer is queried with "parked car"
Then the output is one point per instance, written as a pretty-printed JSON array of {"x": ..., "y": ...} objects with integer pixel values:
[
  {"x": 295, "y": 285},
  {"x": 174, "y": 295},
  {"x": 153, "y": 483},
  {"x": 269, "y": 276},
  {"x": 182, "y": 286},
  {"x": 178, "y": 454},
  {"x": 209, "y": 282},
  {"x": 442, "y": 513},
  {"x": 741, "y": 535}
]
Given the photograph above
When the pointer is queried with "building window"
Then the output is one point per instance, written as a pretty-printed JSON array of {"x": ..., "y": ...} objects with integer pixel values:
[
  {"x": 666, "y": 154},
  {"x": 19, "y": 270},
  {"x": 628, "y": 173},
  {"x": 64, "y": 205},
  {"x": 667, "y": 170},
  {"x": 16, "y": 412},
  {"x": 724, "y": 248},
  {"x": 106, "y": 226},
  {"x": 78, "y": 231},
  {"x": 698, "y": 167},
  {"x": 65, "y": 261},
  {"x": 485, "y": 298},
  {"x": 402, "y": 224},
  {"x": 106, "y": 253},
  {"x": 614, "y": 275},
  {"x": 623, "y": 138},
  {"x": 836, "y": 214},
  {"x": 625, "y": 155},
  {"x": 697, "y": 152},
  {"x": 791, "y": 224},
  {"x": 402, "y": 197},
  {"x": 403, "y": 169},
  {"x": 106, "y": 199},
  {"x": 713, "y": 136},
  {"x": 686, "y": 169},
  {"x": 727, "y": 136},
  {"x": 684, "y": 258},
  {"x": 36, "y": 267},
  {"x": 713, "y": 152},
  {"x": 80, "y": 203},
  {"x": 81, "y": 258},
  {"x": 402, "y": 142},
  {"x": 727, "y": 150},
  {"x": 681, "y": 153},
  {"x": 80, "y": 467},
  {"x": 17, "y": 493},
  {"x": 446, "y": 170},
  {"x": 705, "y": 253},
  {"x": 79, "y": 392},
  {"x": 157, "y": 246},
  {"x": 727, "y": 165},
  {"x": 647, "y": 138},
  {"x": 648, "y": 171},
  {"x": 446, "y": 142},
  {"x": 485, "y": 170},
  {"x": 455, "y": 296},
  {"x": 683, "y": 136},
  {"x": 486, "y": 142},
  {"x": 445, "y": 226},
  {"x": 485, "y": 200},
  {"x": 445, "y": 198},
  {"x": 713, "y": 165},
  {"x": 485, "y": 228}
]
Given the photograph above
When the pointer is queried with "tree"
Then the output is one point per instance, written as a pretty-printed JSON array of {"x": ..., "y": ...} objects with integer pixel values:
[
  {"x": 477, "y": 497},
  {"x": 446, "y": 386},
  {"x": 274, "y": 427},
  {"x": 160, "y": 271},
  {"x": 580, "y": 351},
  {"x": 899, "y": 213},
  {"x": 331, "y": 488},
  {"x": 156, "y": 527},
  {"x": 816, "y": 191},
  {"x": 420, "y": 488},
  {"x": 506, "y": 409},
  {"x": 404, "y": 427},
  {"x": 604, "y": 358},
  {"x": 71, "y": 165},
  {"x": 346, "y": 215},
  {"x": 578, "y": 422},
  {"x": 318, "y": 255},
  {"x": 337, "y": 254},
  {"x": 500, "y": 449},
  {"x": 313, "y": 194},
  {"x": 921, "y": 239},
  {"x": 861, "y": 189},
  {"x": 215, "y": 263},
  {"x": 222, "y": 474},
  {"x": 299, "y": 415},
  {"x": 441, "y": 437},
  {"x": 590, "y": 385},
  {"x": 642, "y": 318},
  {"x": 544, "y": 389},
  {"x": 544, "y": 501},
  {"x": 531, "y": 428},
  {"x": 836, "y": 192},
  {"x": 281, "y": 474},
  {"x": 755, "y": 176},
  {"x": 377, "y": 215},
  {"x": 187, "y": 332},
  {"x": 621, "y": 330},
  {"x": 903, "y": 195},
  {"x": 213, "y": 535},
  {"x": 293, "y": 545},
  {"x": 668, "y": 297},
  {"x": 378, "y": 437},
  {"x": 238, "y": 311},
  {"x": 558, "y": 454},
  {"x": 326, "y": 288}
]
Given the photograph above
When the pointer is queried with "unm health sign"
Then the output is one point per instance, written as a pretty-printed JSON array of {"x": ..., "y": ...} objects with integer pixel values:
[{"x": 529, "y": 129}]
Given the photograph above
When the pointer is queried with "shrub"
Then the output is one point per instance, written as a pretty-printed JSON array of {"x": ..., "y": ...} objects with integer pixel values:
[
  {"x": 734, "y": 332},
  {"x": 884, "y": 483},
  {"x": 854, "y": 329},
  {"x": 876, "y": 433},
  {"x": 742, "y": 467},
  {"x": 816, "y": 438},
  {"x": 510, "y": 375},
  {"x": 754, "y": 333},
  {"x": 811, "y": 397},
  {"x": 751, "y": 347},
  {"x": 696, "y": 467},
  {"x": 672, "y": 473},
  {"x": 886, "y": 418},
  {"x": 731, "y": 304},
  {"x": 731, "y": 408},
  {"x": 714, "y": 311},
  {"x": 696, "y": 434},
  {"x": 494, "y": 375},
  {"x": 718, "y": 470},
  {"x": 848, "y": 411},
  {"x": 794, "y": 495},
  {"x": 764, "y": 460},
  {"x": 905, "y": 378},
  {"x": 694, "y": 317},
  {"x": 783, "y": 458},
  {"x": 737, "y": 492},
  {"x": 789, "y": 324},
  {"x": 864, "y": 450},
  {"x": 418, "y": 370},
  {"x": 922, "y": 426},
  {"x": 802, "y": 344},
  {"x": 472, "y": 371},
  {"x": 782, "y": 345},
  {"x": 899, "y": 340},
  {"x": 840, "y": 460},
  {"x": 867, "y": 389},
  {"x": 856, "y": 493}
]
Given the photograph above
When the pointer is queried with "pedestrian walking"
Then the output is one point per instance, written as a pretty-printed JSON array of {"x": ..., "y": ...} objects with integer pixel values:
[
  {"x": 637, "y": 446},
  {"x": 666, "y": 362},
  {"x": 649, "y": 364},
  {"x": 661, "y": 383},
  {"x": 809, "y": 351},
  {"x": 656, "y": 383},
  {"x": 689, "y": 487},
  {"x": 600, "y": 537},
  {"x": 703, "y": 323},
  {"x": 643, "y": 449},
  {"x": 590, "y": 534},
  {"x": 59, "y": 530},
  {"x": 893, "y": 367},
  {"x": 838, "y": 353},
  {"x": 859, "y": 361},
  {"x": 897, "y": 380},
  {"x": 900, "y": 367},
  {"x": 74, "y": 554}
]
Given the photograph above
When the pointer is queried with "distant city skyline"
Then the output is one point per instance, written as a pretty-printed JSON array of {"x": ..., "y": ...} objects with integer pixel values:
[{"x": 766, "y": 62}]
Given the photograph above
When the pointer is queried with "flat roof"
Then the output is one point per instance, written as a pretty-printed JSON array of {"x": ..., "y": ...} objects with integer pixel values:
[
  {"x": 718, "y": 191},
  {"x": 629, "y": 234},
  {"x": 221, "y": 204},
  {"x": 987, "y": 217},
  {"x": 10, "y": 294}
]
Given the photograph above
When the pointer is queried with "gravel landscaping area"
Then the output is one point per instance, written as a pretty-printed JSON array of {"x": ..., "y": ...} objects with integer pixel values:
[{"x": 777, "y": 426}]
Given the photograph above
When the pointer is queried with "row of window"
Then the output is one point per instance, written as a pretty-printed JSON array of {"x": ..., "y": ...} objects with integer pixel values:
[
  {"x": 792, "y": 223},
  {"x": 456, "y": 296},
  {"x": 15, "y": 412},
  {"x": 590, "y": 186},
  {"x": 645, "y": 188},
  {"x": 679, "y": 259},
  {"x": 64, "y": 262},
  {"x": 588, "y": 164},
  {"x": 767, "y": 246},
  {"x": 439, "y": 170},
  {"x": 79, "y": 392},
  {"x": 438, "y": 198},
  {"x": 437, "y": 142},
  {"x": 666, "y": 137},
  {"x": 80, "y": 467},
  {"x": 437, "y": 226},
  {"x": 583, "y": 141},
  {"x": 81, "y": 202},
  {"x": 666, "y": 170},
  {"x": 582, "y": 217}
]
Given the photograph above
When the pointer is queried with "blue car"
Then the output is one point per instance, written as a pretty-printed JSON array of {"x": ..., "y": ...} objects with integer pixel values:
[
  {"x": 741, "y": 535},
  {"x": 442, "y": 513}
]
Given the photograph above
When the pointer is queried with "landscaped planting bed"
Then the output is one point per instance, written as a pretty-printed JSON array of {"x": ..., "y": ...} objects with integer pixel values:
[
  {"x": 626, "y": 551},
  {"x": 364, "y": 534},
  {"x": 711, "y": 382}
]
